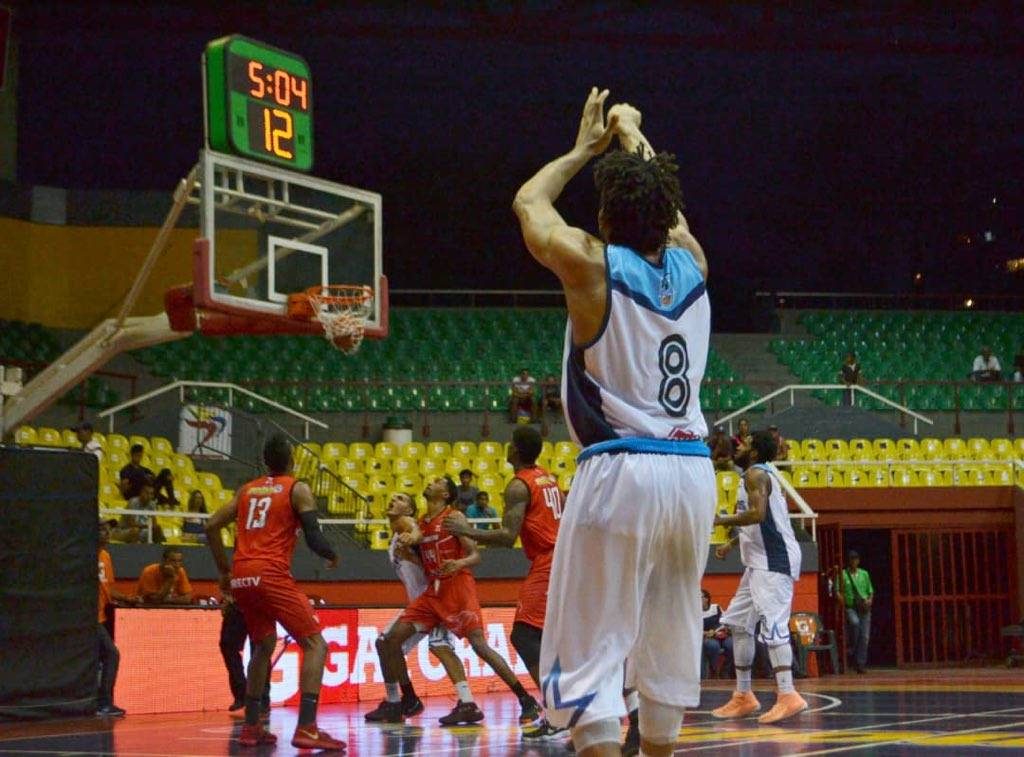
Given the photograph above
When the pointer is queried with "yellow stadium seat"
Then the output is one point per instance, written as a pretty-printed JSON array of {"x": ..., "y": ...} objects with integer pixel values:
[
  {"x": 347, "y": 465},
  {"x": 861, "y": 449},
  {"x": 945, "y": 473},
  {"x": 69, "y": 439},
  {"x": 100, "y": 439},
  {"x": 182, "y": 464},
  {"x": 147, "y": 461},
  {"x": 25, "y": 435},
  {"x": 857, "y": 477},
  {"x": 483, "y": 465},
  {"x": 413, "y": 450},
  {"x": 565, "y": 481},
  {"x": 563, "y": 465},
  {"x": 162, "y": 445},
  {"x": 229, "y": 536},
  {"x": 793, "y": 451},
  {"x": 439, "y": 450},
  {"x": 403, "y": 465},
  {"x": 1019, "y": 476},
  {"x": 1000, "y": 475},
  {"x": 812, "y": 449},
  {"x": 161, "y": 461},
  {"x": 547, "y": 449},
  {"x": 506, "y": 470},
  {"x": 117, "y": 441},
  {"x": 492, "y": 449},
  {"x": 806, "y": 477},
  {"x": 110, "y": 496},
  {"x": 380, "y": 538},
  {"x": 1000, "y": 449},
  {"x": 116, "y": 459},
  {"x": 373, "y": 465},
  {"x": 902, "y": 476},
  {"x": 308, "y": 448},
  {"x": 908, "y": 449},
  {"x": 143, "y": 440},
  {"x": 877, "y": 474},
  {"x": 489, "y": 482},
  {"x": 885, "y": 449},
  {"x": 385, "y": 450},
  {"x": 360, "y": 450},
  {"x": 728, "y": 484},
  {"x": 380, "y": 485},
  {"x": 408, "y": 483},
  {"x": 971, "y": 475},
  {"x": 837, "y": 449},
  {"x": 979, "y": 448},
  {"x": 453, "y": 465},
  {"x": 927, "y": 476},
  {"x": 566, "y": 449},
  {"x": 188, "y": 480},
  {"x": 464, "y": 449},
  {"x": 931, "y": 449},
  {"x": 955, "y": 448},
  {"x": 1018, "y": 447},
  {"x": 209, "y": 481},
  {"x": 836, "y": 476},
  {"x": 355, "y": 481},
  {"x": 49, "y": 437},
  {"x": 332, "y": 453},
  {"x": 786, "y": 476},
  {"x": 430, "y": 466},
  {"x": 222, "y": 497}
]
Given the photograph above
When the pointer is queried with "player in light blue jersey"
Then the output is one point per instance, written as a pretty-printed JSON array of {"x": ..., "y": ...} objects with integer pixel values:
[
  {"x": 771, "y": 561},
  {"x": 634, "y": 538}
]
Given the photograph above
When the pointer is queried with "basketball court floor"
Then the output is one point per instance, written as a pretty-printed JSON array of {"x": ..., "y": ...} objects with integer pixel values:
[{"x": 953, "y": 712}]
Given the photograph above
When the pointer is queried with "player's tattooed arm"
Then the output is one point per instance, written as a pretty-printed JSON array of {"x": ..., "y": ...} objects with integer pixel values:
[
  {"x": 216, "y": 523},
  {"x": 517, "y": 496},
  {"x": 757, "y": 484},
  {"x": 627, "y": 120}
]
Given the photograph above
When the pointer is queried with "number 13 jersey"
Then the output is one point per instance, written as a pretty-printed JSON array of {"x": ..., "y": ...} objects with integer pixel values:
[
  {"x": 266, "y": 523},
  {"x": 635, "y": 387}
]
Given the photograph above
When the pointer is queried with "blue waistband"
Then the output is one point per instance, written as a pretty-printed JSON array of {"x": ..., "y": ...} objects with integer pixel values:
[{"x": 644, "y": 445}]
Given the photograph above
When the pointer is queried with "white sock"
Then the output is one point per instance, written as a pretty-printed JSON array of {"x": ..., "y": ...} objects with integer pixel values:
[
  {"x": 632, "y": 700},
  {"x": 462, "y": 689},
  {"x": 782, "y": 661},
  {"x": 743, "y": 656},
  {"x": 391, "y": 692}
]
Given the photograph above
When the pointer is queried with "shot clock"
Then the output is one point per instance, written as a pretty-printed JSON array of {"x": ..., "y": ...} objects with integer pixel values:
[{"x": 259, "y": 102}]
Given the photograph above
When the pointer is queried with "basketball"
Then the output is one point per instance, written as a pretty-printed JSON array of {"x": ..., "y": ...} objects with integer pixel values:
[{"x": 345, "y": 342}]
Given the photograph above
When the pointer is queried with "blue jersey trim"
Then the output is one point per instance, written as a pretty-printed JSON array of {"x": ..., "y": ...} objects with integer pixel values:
[
  {"x": 668, "y": 289},
  {"x": 583, "y": 402},
  {"x": 647, "y": 445},
  {"x": 774, "y": 545}
]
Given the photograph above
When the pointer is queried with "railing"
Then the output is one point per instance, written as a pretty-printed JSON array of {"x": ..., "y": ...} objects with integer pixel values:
[
  {"x": 231, "y": 389},
  {"x": 806, "y": 513},
  {"x": 875, "y": 300},
  {"x": 958, "y": 468},
  {"x": 791, "y": 390},
  {"x": 477, "y": 297}
]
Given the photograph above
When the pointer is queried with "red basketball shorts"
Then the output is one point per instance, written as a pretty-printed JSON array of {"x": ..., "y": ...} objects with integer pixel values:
[
  {"x": 533, "y": 594},
  {"x": 266, "y": 597},
  {"x": 455, "y": 606}
]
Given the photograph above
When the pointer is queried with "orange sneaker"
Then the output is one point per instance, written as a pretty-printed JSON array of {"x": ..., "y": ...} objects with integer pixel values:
[
  {"x": 786, "y": 706},
  {"x": 741, "y": 704},
  {"x": 311, "y": 737}
]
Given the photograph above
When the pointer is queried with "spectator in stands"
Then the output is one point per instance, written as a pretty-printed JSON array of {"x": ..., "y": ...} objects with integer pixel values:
[
  {"x": 552, "y": 396},
  {"x": 163, "y": 489},
  {"x": 523, "y": 400},
  {"x": 466, "y": 492},
  {"x": 742, "y": 434},
  {"x": 849, "y": 374},
  {"x": 1018, "y": 367},
  {"x": 857, "y": 595},
  {"x": 717, "y": 640},
  {"x": 84, "y": 433},
  {"x": 193, "y": 530},
  {"x": 110, "y": 657},
  {"x": 134, "y": 474},
  {"x": 986, "y": 367},
  {"x": 165, "y": 582},
  {"x": 721, "y": 449},
  {"x": 781, "y": 444},
  {"x": 135, "y": 528},
  {"x": 481, "y": 508}
]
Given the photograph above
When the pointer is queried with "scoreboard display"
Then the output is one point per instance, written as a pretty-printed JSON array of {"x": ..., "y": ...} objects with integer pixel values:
[{"x": 259, "y": 102}]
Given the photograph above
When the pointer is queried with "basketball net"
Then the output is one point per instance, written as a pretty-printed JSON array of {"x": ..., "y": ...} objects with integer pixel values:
[{"x": 342, "y": 309}]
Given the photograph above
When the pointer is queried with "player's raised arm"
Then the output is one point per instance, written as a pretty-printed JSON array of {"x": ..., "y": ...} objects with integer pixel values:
[
  {"x": 305, "y": 508},
  {"x": 627, "y": 127},
  {"x": 757, "y": 483},
  {"x": 517, "y": 496},
  {"x": 567, "y": 251}
]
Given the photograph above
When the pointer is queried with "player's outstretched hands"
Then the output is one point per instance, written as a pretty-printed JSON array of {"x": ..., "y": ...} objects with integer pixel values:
[
  {"x": 722, "y": 550},
  {"x": 595, "y": 135},
  {"x": 624, "y": 116}
]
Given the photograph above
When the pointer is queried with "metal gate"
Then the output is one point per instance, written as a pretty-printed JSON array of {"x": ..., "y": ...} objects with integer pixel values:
[
  {"x": 830, "y": 563},
  {"x": 953, "y": 589}
]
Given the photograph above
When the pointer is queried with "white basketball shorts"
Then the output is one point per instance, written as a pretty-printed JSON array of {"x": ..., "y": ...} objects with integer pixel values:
[
  {"x": 625, "y": 582},
  {"x": 439, "y": 636},
  {"x": 766, "y": 596}
]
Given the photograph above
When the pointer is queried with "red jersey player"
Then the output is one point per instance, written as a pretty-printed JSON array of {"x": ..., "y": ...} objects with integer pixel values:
[
  {"x": 450, "y": 600},
  {"x": 268, "y": 513},
  {"x": 533, "y": 507}
]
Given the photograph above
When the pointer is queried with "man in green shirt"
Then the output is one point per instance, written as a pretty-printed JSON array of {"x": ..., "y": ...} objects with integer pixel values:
[{"x": 857, "y": 595}]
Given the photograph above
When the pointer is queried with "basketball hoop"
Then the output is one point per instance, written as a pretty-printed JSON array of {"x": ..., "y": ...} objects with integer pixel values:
[{"x": 342, "y": 309}]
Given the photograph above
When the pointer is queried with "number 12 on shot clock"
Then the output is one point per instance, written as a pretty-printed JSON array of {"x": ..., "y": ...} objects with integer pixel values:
[{"x": 259, "y": 102}]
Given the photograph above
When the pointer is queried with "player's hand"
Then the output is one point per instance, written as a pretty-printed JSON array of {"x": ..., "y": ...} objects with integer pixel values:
[
  {"x": 625, "y": 116},
  {"x": 594, "y": 135},
  {"x": 448, "y": 567},
  {"x": 406, "y": 539},
  {"x": 332, "y": 563},
  {"x": 457, "y": 526},
  {"x": 722, "y": 550}
]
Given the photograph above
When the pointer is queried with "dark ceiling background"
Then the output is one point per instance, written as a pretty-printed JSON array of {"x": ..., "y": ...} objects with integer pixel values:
[{"x": 826, "y": 150}]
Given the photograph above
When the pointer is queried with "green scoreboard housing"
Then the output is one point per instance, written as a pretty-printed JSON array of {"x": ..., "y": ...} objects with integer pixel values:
[{"x": 259, "y": 102}]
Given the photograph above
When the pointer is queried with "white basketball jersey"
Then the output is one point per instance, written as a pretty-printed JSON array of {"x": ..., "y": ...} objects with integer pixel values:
[
  {"x": 410, "y": 573},
  {"x": 770, "y": 544},
  {"x": 635, "y": 387}
]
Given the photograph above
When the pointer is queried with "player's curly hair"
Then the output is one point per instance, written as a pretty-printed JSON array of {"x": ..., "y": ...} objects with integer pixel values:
[{"x": 640, "y": 198}]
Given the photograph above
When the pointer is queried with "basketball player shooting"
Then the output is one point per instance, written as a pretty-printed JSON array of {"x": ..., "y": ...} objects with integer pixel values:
[
  {"x": 268, "y": 512},
  {"x": 633, "y": 541}
]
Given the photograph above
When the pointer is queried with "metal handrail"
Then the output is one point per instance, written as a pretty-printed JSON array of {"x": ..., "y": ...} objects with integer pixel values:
[
  {"x": 205, "y": 516},
  {"x": 110, "y": 412},
  {"x": 793, "y": 388}
]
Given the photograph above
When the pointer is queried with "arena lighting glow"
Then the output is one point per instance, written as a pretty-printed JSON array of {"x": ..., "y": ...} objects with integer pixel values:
[
  {"x": 969, "y": 303},
  {"x": 1015, "y": 265}
]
